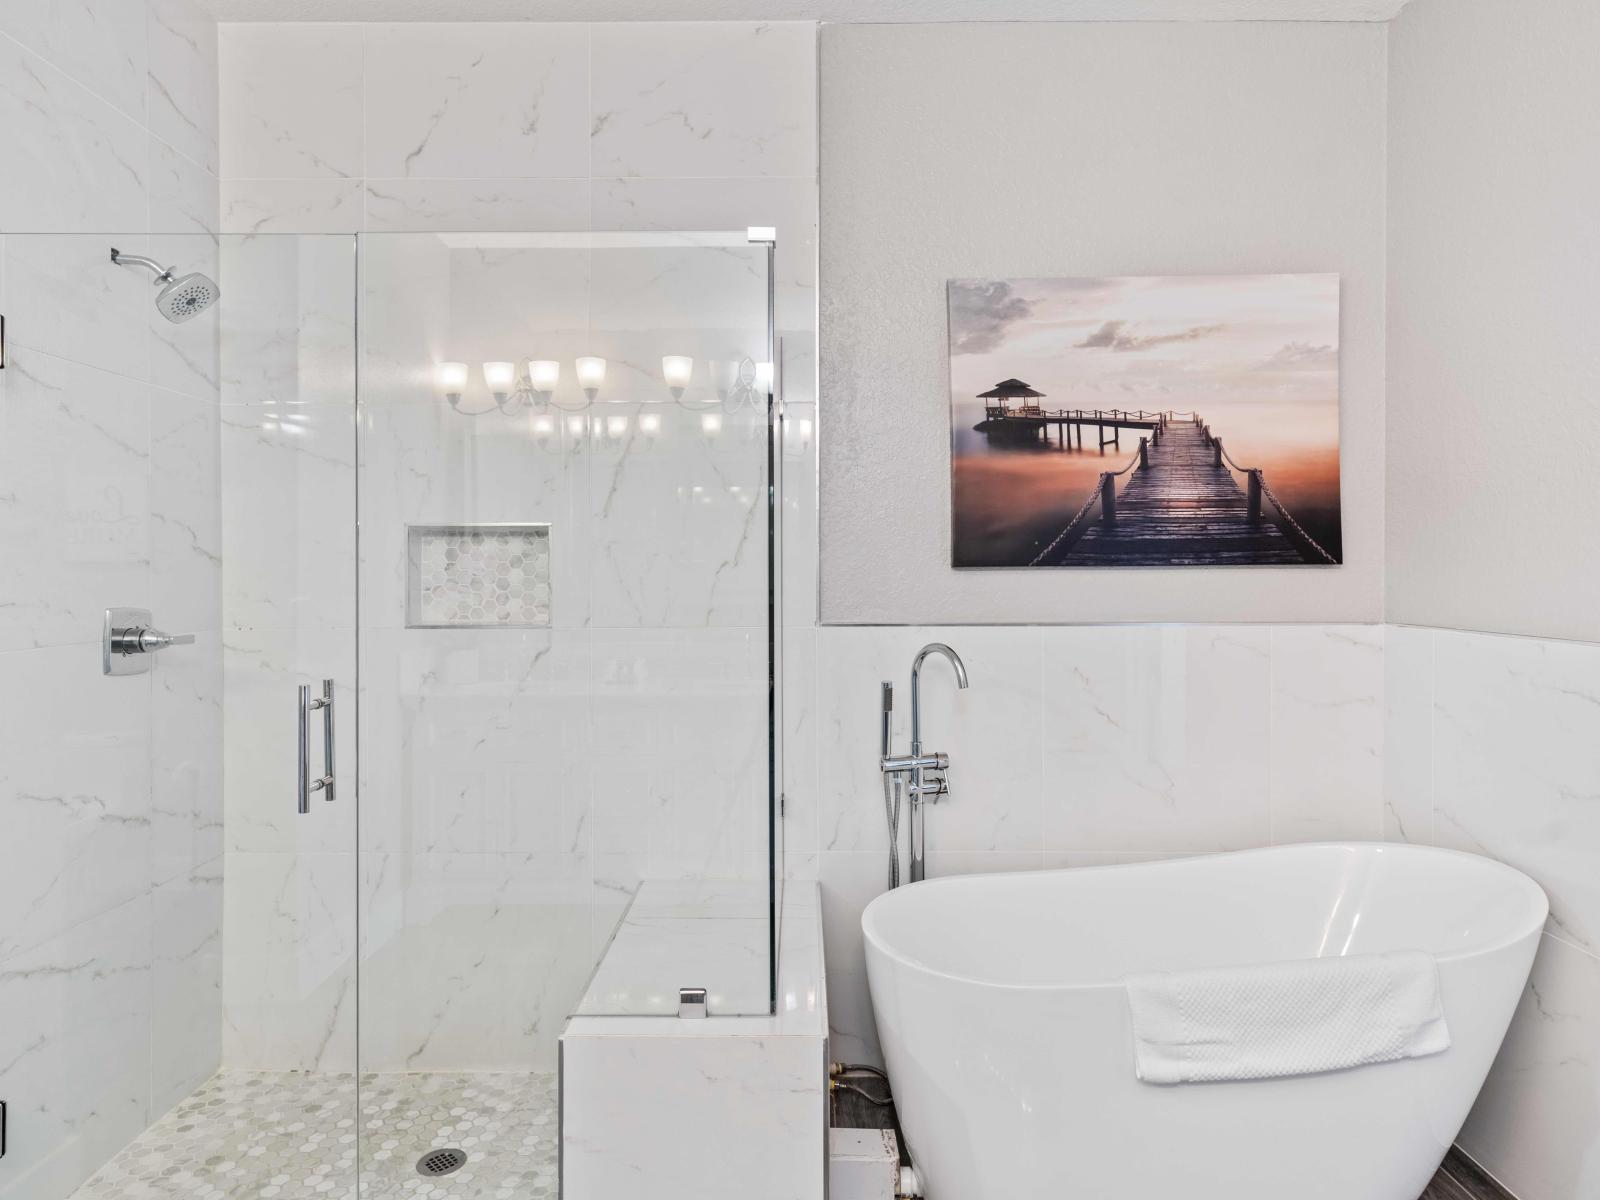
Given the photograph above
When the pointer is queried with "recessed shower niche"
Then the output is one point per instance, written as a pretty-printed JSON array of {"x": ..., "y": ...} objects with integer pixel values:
[{"x": 478, "y": 576}]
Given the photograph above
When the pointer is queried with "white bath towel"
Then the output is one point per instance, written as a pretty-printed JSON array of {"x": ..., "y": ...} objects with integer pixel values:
[{"x": 1285, "y": 1018}]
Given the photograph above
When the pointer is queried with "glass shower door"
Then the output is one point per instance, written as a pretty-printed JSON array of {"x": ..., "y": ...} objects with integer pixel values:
[{"x": 564, "y": 621}]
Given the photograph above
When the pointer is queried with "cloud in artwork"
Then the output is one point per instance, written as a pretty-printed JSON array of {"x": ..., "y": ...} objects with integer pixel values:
[
  {"x": 982, "y": 313},
  {"x": 1303, "y": 356},
  {"x": 1119, "y": 336}
]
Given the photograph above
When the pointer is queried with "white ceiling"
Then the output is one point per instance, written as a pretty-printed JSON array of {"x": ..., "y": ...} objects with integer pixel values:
[{"x": 805, "y": 10}]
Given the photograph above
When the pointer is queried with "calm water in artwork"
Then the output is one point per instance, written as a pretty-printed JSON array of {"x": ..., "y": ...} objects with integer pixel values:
[{"x": 1256, "y": 357}]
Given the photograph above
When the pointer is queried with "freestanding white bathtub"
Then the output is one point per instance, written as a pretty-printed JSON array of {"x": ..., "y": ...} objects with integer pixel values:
[{"x": 1005, "y": 1027}]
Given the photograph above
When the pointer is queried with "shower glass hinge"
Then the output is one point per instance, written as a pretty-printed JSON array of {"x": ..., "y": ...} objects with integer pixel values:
[{"x": 692, "y": 1003}]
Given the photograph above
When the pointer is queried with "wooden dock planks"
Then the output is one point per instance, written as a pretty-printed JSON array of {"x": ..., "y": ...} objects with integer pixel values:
[{"x": 1180, "y": 510}]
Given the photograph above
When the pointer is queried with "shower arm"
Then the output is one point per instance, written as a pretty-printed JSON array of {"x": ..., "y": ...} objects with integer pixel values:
[{"x": 162, "y": 274}]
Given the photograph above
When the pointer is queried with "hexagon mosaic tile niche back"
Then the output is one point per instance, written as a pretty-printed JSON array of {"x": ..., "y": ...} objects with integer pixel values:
[{"x": 478, "y": 576}]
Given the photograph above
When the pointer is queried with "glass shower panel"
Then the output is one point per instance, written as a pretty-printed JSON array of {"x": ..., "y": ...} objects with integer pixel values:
[
  {"x": 177, "y": 942},
  {"x": 564, "y": 637}
]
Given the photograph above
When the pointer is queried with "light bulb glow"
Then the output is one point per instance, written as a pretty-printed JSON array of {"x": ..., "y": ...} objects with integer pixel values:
[
  {"x": 544, "y": 426},
  {"x": 451, "y": 377},
  {"x": 763, "y": 377},
  {"x": 677, "y": 370},
  {"x": 650, "y": 423},
  {"x": 575, "y": 426},
  {"x": 543, "y": 374},
  {"x": 711, "y": 423},
  {"x": 499, "y": 377},
  {"x": 616, "y": 426},
  {"x": 591, "y": 373}
]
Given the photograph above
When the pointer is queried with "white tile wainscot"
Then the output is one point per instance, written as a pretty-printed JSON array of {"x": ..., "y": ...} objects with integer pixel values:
[{"x": 716, "y": 1109}]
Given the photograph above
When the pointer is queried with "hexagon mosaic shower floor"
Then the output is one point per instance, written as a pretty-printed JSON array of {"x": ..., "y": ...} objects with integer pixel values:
[{"x": 293, "y": 1136}]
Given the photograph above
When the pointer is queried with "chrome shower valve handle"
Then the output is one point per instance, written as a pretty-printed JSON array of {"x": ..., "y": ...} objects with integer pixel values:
[{"x": 129, "y": 640}]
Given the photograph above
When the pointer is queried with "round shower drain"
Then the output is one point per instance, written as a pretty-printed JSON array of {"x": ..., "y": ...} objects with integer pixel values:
[{"x": 441, "y": 1162}]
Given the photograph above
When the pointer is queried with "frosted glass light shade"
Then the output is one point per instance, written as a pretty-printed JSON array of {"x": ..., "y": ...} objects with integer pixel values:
[
  {"x": 544, "y": 374},
  {"x": 450, "y": 377},
  {"x": 591, "y": 373},
  {"x": 499, "y": 376},
  {"x": 677, "y": 370}
]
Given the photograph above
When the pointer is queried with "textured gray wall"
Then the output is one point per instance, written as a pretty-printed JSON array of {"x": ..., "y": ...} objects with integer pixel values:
[
  {"x": 1079, "y": 149},
  {"x": 1494, "y": 361}
]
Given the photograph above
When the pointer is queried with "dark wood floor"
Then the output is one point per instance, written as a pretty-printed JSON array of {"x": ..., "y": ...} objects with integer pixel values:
[{"x": 1458, "y": 1179}]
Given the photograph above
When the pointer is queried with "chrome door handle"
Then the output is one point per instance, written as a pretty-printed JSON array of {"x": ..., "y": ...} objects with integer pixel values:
[{"x": 324, "y": 782}]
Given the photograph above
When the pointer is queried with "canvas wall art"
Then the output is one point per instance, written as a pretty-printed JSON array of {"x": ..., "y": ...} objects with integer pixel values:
[{"x": 1145, "y": 421}]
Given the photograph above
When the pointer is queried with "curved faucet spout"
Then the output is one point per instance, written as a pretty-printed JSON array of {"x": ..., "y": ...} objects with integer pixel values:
[{"x": 916, "y": 686}]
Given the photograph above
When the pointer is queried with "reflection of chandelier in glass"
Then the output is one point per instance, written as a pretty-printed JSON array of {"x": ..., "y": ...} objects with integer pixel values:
[
  {"x": 751, "y": 384},
  {"x": 738, "y": 384}
]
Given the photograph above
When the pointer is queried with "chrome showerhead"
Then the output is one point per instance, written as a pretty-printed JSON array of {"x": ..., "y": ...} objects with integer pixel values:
[
  {"x": 187, "y": 296},
  {"x": 183, "y": 296}
]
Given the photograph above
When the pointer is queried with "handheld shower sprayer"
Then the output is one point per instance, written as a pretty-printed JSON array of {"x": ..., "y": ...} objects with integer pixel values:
[
  {"x": 891, "y": 784},
  {"x": 183, "y": 296}
]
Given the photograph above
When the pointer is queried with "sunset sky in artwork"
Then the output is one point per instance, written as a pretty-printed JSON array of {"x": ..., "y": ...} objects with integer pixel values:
[{"x": 1224, "y": 345}]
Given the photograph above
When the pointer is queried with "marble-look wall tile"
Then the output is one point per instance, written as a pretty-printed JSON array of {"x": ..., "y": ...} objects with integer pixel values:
[
  {"x": 695, "y": 99},
  {"x": 1534, "y": 1123},
  {"x": 109, "y": 787},
  {"x": 184, "y": 197},
  {"x": 677, "y": 519},
  {"x": 73, "y": 160},
  {"x": 186, "y": 984},
  {"x": 476, "y": 101},
  {"x": 76, "y": 1068},
  {"x": 289, "y": 492},
  {"x": 67, "y": 298},
  {"x": 679, "y": 789},
  {"x": 1516, "y": 773},
  {"x": 289, "y": 325},
  {"x": 470, "y": 962},
  {"x": 756, "y": 1103},
  {"x": 290, "y": 101},
  {"x": 184, "y": 79},
  {"x": 1327, "y": 733},
  {"x": 478, "y": 742},
  {"x": 512, "y": 205},
  {"x": 100, "y": 44},
  {"x": 1155, "y": 737},
  {"x": 186, "y": 731},
  {"x": 76, "y": 503},
  {"x": 185, "y": 511},
  {"x": 291, "y": 206},
  {"x": 1408, "y": 734},
  {"x": 75, "y": 790},
  {"x": 289, "y": 974}
]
